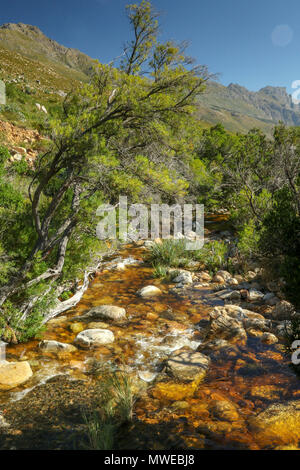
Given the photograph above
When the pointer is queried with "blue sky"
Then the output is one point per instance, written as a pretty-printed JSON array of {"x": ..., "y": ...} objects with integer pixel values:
[{"x": 250, "y": 42}]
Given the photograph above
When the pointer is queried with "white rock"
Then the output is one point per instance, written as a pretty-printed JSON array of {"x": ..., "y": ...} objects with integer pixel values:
[
  {"x": 224, "y": 274},
  {"x": 106, "y": 312},
  {"x": 232, "y": 281},
  {"x": 255, "y": 294},
  {"x": 149, "y": 291},
  {"x": 185, "y": 277},
  {"x": 96, "y": 337},
  {"x": 56, "y": 347},
  {"x": 147, "y": 376}
]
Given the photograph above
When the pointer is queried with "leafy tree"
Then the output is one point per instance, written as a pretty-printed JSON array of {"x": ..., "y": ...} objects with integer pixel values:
[{"x": 124, "y": 132}]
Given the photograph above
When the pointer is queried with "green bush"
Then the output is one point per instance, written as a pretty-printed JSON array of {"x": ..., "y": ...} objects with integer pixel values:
[
  {"x": 213, "y": 255},
  {"x": 168, "y": 253},
  {"x": 280, "y": 243}
]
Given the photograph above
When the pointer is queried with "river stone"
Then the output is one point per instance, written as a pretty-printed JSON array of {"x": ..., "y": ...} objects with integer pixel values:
[
  {"x": 232, "y": 281},
  {"x": 283, "y": 311},
  {"x": 204, "y": 276},
  {"x": 223, "y": 325},
  {"x": 269, "y": 338},
  {"x": 224, "y": 274},
  {"x": 218, "y": 279},
  {"x": 268, "y": 296},
  {"x": 96, "y": 325},
  {"x": 231, "y": 295},
  {"x": 283, "y": 329},
  {"x": 185, "y": 277},
  {"x": 188, "y": 366},
  {"x": 255, "y": 294},
  {"x": 149, "y": 291},
  {"x": 224, "y": 410},
  {"x": 76, "y": 327},
  {"x": 279, "y": 424},
  {"x": 13, "y": 374},
  {"x": 147, "y": 376},
  {"x": 56, "y": 347},
  {"x": 97, "y": 337},
  {"x": 105, "y": 312}
]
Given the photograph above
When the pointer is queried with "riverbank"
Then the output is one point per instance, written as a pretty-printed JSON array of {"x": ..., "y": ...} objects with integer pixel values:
[{"x": 208, "y": 369}]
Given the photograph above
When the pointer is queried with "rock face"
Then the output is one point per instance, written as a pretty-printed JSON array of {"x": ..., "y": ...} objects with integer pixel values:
[
  {"x": 188, "y": 366},
  {"x": 278, "y": 425},
  {"x": 13, "y": 374},
  {"x": 89, "y": 338},
  {"x": 149, "y": 291},
  {"x": 104, "y": 312},
  {"x": 56, "y": 347}
]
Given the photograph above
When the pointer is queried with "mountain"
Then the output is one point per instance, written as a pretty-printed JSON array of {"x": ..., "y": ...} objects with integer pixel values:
[
  {"x": 240, "y": 109},
  {"x": 30, "y": 42},
  {"x": 42, "y": 66}
]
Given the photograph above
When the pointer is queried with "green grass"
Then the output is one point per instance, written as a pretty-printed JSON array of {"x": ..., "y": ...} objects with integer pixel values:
[
  {"x": 172, "y": 253},
  {"x": 168, "y": 253},
  {"x": 116, "y": 403}
]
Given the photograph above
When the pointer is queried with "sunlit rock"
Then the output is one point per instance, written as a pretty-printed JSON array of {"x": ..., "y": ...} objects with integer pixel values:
[
  {"x": 187, "y": 365},
  {"x": 255, "y": 294},
  {"x": 51, "y": 346},
  {"x": 185, "y": 277},
  {"x": 224, "y": 410},
  {"x": 149, "y": 291},
  {"x": 104, "y": 312},
  {"x": 13, "y": 374},
  {"x": 98, "y": 337},
  {"x": 279, "y": 424},
  {"x": 147, "y": 376},
  {"x": 269, "y": 338}
]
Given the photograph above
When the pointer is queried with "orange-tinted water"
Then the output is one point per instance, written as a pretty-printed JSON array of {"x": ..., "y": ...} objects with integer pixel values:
[{"x": 186, "y": 414}]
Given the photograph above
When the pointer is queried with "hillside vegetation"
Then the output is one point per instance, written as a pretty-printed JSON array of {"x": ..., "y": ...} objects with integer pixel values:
[{"x": 133, "y": 129}]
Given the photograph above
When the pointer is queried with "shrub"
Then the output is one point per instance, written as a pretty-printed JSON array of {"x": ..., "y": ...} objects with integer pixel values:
[
  {"x": 167, "y": 253},
  {"x": 116, "y": 408},
  {"x": 100, "y": 432},
  {"x": 214, "y": 256}
]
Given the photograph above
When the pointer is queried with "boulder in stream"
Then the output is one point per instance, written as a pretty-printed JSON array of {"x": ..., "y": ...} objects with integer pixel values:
[
  {"x": 13, "y": 374},
  {"x": 149, "y": 291},
  {"x": 278, "y": 425},
  {"x": 96, "y": 337},
  {"x": 52, "y": 346},
  {"x": 104, "y": 312},
  {"x": 188, "y": 365}
]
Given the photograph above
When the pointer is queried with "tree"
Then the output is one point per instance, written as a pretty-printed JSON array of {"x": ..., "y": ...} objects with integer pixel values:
[{"x": 123, "y": 132}]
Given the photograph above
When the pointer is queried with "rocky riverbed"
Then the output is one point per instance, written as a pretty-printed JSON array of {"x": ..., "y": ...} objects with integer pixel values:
[{"x": 205, "y": 355}]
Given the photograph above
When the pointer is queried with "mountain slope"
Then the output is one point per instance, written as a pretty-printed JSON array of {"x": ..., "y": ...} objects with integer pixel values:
[
  {"x": 30, "y": 42},
  {"x": 31, "y": 59},
  {"x": 240, "y": 109}
]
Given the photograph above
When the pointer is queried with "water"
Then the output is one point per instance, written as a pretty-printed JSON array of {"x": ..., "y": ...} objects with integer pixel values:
[{"x": 249, "y": 382}]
